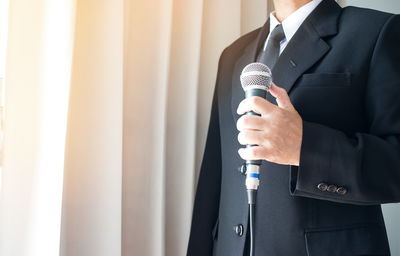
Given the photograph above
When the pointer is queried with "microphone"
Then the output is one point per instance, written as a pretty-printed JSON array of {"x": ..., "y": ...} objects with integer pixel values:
[{"x": 256, "y": 79}]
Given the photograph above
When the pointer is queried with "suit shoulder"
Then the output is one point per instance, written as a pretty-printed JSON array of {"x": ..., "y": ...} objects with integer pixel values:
[
  {"x": 239, "y": 44},
  {"x": 364, "y": 16},
  {"x": 362, "y": 24},
  {"x": 230, "y": 55}
]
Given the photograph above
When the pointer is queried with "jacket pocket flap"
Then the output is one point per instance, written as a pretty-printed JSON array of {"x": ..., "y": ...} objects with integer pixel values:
[
  {"x": 361, "y": 240},
  {"x": 325, "y": 80}
]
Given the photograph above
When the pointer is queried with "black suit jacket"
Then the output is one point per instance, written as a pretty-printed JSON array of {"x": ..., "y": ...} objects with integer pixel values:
[{"x": 342, "y": 72}]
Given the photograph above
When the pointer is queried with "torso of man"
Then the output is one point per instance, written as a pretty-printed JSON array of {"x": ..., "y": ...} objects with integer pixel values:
[{"x": 340, "y": 68}]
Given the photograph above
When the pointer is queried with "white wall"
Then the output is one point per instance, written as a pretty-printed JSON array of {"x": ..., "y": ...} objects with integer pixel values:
[
  {"x": 392, "y": 6},
  {"x": 392, "y": 211}
]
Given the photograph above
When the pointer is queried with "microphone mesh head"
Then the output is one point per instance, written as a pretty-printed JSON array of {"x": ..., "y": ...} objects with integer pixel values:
[{"x": 256, "y": 76}]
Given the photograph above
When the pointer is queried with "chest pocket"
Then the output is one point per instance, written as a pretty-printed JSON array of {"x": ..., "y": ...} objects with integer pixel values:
[
  {"x": 325, "y": 80},
  {"x": 332, "y": 99}
]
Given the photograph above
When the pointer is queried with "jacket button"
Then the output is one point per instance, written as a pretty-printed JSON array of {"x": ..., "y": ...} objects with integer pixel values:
[
  {"x": 322, "y": 186},
  {"x": 242, "y": 169},
  {"x": 239, "y": 230},
  {"x": 341, "y": 191},
  {"x": 332, "y": 188}
]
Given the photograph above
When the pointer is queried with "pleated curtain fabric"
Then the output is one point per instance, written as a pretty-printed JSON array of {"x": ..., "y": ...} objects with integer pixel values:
[
  {"x": 137, "y": 79},
  {"x": 179, "y": 46},
  {"x": 37, "y": 83}
]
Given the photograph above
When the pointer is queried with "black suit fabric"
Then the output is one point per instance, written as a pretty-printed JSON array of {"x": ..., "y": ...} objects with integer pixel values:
[{"x": 342, "y": 72}]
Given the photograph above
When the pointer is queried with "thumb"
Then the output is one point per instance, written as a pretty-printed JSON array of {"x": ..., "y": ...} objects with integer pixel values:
[{"x": 282, "y": 98}]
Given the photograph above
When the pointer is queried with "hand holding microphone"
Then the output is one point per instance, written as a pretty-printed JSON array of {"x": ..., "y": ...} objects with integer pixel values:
[{"x": 277, "y": 132}]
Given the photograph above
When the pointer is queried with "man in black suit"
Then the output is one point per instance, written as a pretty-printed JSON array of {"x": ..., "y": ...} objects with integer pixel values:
[{"x": 329, "y": 136}]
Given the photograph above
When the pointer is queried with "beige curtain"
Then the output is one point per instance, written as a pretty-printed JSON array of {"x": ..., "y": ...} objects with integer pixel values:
[
  {"x": 107, "y": 108},
  {"x": 170, "y": 86},
  {"x": 38, "y": 70}
]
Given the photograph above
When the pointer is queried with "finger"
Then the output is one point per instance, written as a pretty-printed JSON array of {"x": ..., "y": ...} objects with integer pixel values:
[
  {"x": 256, "y": 104},
  {"x": 248, "y": 122},
  {"x": 282, "y": 98},
  {"x": 253, "y": 153},
  {"x": 251, "y": 137}
]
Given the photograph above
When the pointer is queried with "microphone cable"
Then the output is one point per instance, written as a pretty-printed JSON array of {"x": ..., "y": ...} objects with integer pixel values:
[
  {"x": 252, "y": 183},
  {"x": 251, "y": 212}
]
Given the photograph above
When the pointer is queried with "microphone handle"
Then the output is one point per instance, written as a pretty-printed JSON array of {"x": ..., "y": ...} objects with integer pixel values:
[
  {"x": 253, "y": 162},
  {"x": 262, "y": 94}
]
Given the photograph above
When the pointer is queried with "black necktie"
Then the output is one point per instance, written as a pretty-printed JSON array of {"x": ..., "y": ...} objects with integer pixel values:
[{"x": 271, "y": 53}]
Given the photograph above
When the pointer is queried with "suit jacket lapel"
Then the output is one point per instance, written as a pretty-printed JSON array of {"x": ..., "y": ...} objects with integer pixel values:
[
  {"x": 307, "y": 46},
  {"x": 304, "y": 49}
]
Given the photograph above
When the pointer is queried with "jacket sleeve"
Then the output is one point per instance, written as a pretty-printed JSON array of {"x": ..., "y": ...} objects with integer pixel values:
[
  {"x": 206, "y": 205},
  {"x": 359, "y": 168}
]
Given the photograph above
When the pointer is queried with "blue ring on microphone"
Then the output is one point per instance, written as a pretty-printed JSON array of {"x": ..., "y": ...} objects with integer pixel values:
[{"x": 253, "y": 175}]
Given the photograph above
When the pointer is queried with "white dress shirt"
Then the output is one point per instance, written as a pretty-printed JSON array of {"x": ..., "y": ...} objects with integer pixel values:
[{"x": 292, "y": 23}]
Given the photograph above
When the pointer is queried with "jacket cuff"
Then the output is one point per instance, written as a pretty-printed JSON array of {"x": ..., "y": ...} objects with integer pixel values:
[{"x": 312, "y": 177}]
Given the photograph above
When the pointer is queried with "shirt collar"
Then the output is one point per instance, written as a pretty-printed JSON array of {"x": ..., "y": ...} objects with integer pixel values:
[{"x": 292, "y": 23}]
